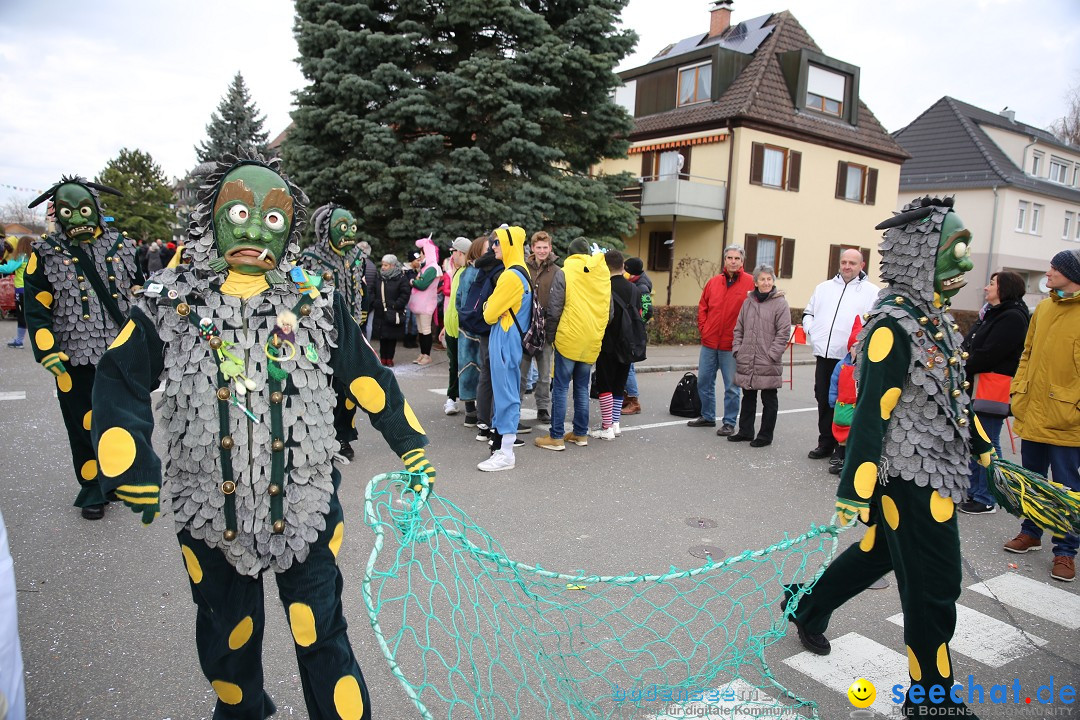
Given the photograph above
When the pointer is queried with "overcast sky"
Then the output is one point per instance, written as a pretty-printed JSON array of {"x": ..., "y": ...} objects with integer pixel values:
[{"x": 79, "y": 81}]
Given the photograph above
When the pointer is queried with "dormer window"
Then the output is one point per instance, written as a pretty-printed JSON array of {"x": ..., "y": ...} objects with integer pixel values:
[
  {"x": 825, "y": 91},
  {"x": 695, "y": 84}
]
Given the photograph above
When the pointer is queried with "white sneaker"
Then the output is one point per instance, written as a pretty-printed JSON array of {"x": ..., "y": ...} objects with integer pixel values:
[
  {"x": 617, "y": 429},
  {"x": 603, "y": 433},
  {"x": 450, "y": 408},
  {"x": 499, "y": 460}
]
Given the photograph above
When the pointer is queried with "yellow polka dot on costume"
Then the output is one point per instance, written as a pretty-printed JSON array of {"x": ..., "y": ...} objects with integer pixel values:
[
  {"x": 88, "y": 471},
  {"x": 302, "y": 622},
  {"x": 889, "y": 510},
  {"x": 368, "y": 393},
  {"x": 31, "y": 264},
  {"x": 63, "y": 382},
  {"x": 888, "y": 402},
  {"x": 411, "y": 417},
  {"x": 124, "y": 334},
  {"x": 45, "y": 298},
  {"x": 941, "y": 508},
  {"x": 867, "y": 542},
  {"x": 229, "y": 693},
  {"x": 194, "y": 569},
  {"x": 86, "y": 420},
  {"x": 984, "y": 459},
  {"x": 348, "y": 701},
  {"x": 336, "y": 538},
  {"x": 44, "y": 339},
  {"x": 116, "y": 451},
  {"x": 881, "y": 343},
  {"x": 865, "y": 478},
  {"x": 979, "y": 428},
  {"x": 241, "y": 633},
  {"x": 943, "y": 667},
  {"x": 913, "y": 666},
  {"x": 349, "y": 404}
]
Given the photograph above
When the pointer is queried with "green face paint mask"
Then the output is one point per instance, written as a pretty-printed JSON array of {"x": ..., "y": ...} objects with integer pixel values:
[
  {"x": 953, "y": 256},
  {"x": 253, "y": 215},
  {"x": 77, "y": 213},
  {"x": 342, "y": 231}
]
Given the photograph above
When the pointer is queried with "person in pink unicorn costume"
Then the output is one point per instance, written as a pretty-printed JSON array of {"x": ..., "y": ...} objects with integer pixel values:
[{"x": 424, "y": 298}]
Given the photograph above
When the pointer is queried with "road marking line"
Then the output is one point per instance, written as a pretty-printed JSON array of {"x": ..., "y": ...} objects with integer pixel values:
[
  {"x": 854, "y": 656},
  {"x": 740, "y": 703},
  {"x": 12, "y": 395},
  {"x": 986, "y": 639},
  {"x": 1036, "y": 598}
]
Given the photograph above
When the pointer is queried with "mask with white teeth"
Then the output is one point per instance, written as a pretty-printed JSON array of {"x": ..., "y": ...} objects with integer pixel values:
[
  {"x": 253, "y": 216},
  {"x": 953, "y": 256}
]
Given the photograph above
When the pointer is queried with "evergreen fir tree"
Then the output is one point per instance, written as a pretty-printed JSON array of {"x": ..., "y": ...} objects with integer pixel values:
[
  {"x": 144, "y": 211},
  {"x": 236, "y": 124},
  {"x": 455, "y": 116}
]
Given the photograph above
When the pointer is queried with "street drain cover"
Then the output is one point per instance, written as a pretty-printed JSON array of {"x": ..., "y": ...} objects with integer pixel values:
[
  {"x": 707, "y": 552},
  {"x": 702, "y": 523}
]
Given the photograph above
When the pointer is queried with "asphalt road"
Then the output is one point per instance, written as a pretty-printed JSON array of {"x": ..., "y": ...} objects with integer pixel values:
[{"x": 107, "y": 621}]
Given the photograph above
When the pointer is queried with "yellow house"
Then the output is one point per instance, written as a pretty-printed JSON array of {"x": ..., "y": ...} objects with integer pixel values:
[{"x": 750, "y": 135}]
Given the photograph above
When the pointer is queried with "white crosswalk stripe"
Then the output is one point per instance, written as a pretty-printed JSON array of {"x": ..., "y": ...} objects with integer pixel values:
[
  {"x": 738, "y": 700},
  {"x": 12, "y": 396},
  {"x": 1033, "y": 597},
  {"x": 854, "y": 656},
  {"x": 986, "y": 639}
]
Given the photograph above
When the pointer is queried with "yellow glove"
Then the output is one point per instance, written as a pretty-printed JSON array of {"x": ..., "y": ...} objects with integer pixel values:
[
  {"x": 846, "y": 512},
  {"x": 416, "y": 462},
  {"x": 143, "y": 499},
  {"x": 54, "y": 363}
]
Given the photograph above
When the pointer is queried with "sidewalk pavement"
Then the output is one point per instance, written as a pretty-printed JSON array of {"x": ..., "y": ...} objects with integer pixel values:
[{"x": 684, "y": 358}]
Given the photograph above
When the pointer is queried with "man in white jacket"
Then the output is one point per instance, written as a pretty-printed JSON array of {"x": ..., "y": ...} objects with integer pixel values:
[{"x": 827, "y": 320}]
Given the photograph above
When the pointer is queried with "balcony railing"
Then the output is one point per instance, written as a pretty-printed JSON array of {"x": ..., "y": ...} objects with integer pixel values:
[{"x": 684, "y": 197}]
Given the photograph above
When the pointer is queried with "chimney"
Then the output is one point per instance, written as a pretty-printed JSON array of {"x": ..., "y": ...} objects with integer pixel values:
[
  {"x": 1008, "y": 114},
  {"x": 719, "y": 17}
]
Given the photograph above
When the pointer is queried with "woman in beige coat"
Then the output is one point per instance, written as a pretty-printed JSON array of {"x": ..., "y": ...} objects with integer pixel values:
[{"x": 761, "y": 334}]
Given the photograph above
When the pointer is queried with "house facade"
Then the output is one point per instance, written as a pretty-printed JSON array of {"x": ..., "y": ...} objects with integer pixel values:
[
  {"x": 1017, "y": 188},
  {"x": 750, "y": 135}
]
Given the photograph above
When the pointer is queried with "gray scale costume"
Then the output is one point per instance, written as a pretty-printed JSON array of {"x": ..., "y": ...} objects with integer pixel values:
[{"x": 346, "y": 271}]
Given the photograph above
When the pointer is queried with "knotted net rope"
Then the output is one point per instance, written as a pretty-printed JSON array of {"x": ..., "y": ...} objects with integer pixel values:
[{"x": 471, "y": 633}]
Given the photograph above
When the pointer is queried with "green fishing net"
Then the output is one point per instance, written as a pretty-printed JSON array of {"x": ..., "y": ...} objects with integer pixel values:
[{"x": 472, "y": 633}]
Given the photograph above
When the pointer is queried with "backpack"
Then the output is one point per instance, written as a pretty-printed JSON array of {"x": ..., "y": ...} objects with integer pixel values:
[
  {"x": 630, "y": 347},
  {"x": 685, "y": 401},
  {"x": 471, "y": 313},
  {"x": 532, "y": 340}
]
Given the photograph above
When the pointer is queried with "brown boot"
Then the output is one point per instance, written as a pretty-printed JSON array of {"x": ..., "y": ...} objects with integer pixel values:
[{"x": 631, "y": 406}]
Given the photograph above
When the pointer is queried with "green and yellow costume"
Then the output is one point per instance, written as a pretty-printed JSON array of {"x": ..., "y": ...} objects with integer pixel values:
[
  {"x": 78, "y": 283},
  {"x": 247, "y": 360},
  {"x": 907, "y": 455}
]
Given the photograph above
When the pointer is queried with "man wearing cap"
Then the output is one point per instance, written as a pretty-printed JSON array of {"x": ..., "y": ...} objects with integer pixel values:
[{"x": 1045, "y": 397}]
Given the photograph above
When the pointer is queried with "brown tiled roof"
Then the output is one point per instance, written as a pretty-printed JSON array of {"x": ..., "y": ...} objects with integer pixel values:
[{"x": 760, "y": 95}]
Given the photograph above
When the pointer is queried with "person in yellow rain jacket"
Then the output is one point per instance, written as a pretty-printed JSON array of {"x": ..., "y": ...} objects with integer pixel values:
[
  {"x": 508, "y": 311},
  {"x": 582, "y": 320}
]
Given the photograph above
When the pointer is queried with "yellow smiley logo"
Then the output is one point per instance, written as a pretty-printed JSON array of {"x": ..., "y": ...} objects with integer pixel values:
[{"x": 862, "y": 693}]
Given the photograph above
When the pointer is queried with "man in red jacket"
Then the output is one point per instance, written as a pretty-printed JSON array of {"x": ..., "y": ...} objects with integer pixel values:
[{"x": 718, "y": 310}]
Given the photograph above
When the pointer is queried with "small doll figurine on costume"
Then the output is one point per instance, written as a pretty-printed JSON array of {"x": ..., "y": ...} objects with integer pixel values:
[
  {"x": 78, "y": 283},
  {"x": 247, "y": 357}
]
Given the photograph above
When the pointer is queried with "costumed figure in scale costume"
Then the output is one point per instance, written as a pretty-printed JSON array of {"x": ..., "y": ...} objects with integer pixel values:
[
  {"x": 335, "y": 257},
  {"x": 78, "y": 283},
  {"x": 907, "y": 452},
  {"x": 247, "y": 359}
]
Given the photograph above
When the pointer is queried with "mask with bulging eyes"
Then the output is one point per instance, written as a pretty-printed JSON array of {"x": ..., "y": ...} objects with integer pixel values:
[
  {"x": 342, "y": 231},
  {"x": 953, "y": 256},
  {"x": 77, "y": 212},
  {"x": 253, "y": 215}
]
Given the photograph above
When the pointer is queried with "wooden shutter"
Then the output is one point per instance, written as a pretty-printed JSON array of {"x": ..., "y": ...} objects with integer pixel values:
[
  {"x": 866, "y": 258},
  {"x": 787, "y": 257},
  {"x": 841, "y": 183},
  {"x": 834, "y": 260},
  {"x": 757, "y": 162},
  {"x": 750, "y": 254},
  {"x": 871, "y": 185},
  {"x": 647, "y": 166},
  {"x": 794, "y": 170}
]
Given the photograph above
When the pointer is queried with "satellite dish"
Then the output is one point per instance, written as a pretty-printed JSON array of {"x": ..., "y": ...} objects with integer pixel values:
[{"x": 1043, "y": 287}]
